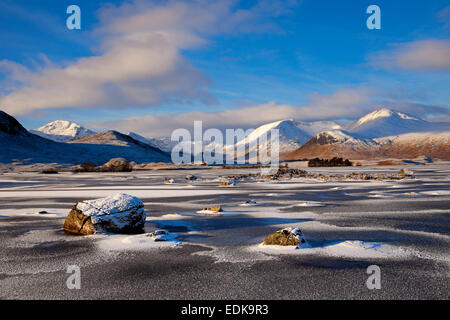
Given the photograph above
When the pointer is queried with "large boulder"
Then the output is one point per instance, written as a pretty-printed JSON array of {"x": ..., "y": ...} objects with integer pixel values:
[
  {"x": 120, "y": 213},
  {"x": 117, "y": 165}
]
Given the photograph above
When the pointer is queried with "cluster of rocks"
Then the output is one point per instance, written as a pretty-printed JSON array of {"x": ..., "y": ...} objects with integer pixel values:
[
  {"x": 113, "y": 165},
  {"x": 282, "y": 173},
  {"x": 285, "y": 173},
  {"x": 288, "y": 173}
]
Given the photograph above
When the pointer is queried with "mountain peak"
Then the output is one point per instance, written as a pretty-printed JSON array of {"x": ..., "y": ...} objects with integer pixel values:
[
  {"x": 383, "y": 113},
  {"x": 385, "y": 122},
  {"x": 62, "y": 131}
]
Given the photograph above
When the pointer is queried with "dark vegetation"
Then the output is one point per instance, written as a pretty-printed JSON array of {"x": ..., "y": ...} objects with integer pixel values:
[
  {"x": 49, "y": 171},
  {"x": 334, "y": 162}
]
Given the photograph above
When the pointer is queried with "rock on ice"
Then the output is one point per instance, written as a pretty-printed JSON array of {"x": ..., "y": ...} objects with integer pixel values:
[{"x": 120, "y": 213}]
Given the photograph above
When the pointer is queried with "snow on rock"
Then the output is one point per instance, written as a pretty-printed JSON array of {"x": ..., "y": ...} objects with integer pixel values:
[
  {"x": 120, "y": 213},
  {"x": 287, "y": 237}
]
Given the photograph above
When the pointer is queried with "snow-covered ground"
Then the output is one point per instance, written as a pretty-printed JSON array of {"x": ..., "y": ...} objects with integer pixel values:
[{"x": 401, "y": 225}]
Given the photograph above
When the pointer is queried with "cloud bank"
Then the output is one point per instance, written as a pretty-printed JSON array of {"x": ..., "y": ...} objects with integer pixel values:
[
  {"x": 424, "y": 56},
  {"x": 139, "y": 60},
  {"x": 341, "y": 104}
]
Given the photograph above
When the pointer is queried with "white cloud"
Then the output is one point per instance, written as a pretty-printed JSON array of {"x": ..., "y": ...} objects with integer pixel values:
[
  {"x": 140, "y": 61},
  {"x": 341, "y": 104},
  {"x": 426, "y": 55}
]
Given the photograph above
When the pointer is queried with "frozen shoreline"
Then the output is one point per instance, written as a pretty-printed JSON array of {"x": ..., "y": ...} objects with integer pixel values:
[{"x": 347, "y": 224}]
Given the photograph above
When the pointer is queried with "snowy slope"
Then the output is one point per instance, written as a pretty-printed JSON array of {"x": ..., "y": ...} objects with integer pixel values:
[
  {"x": 62, "y": 131},
  {"x": 384, "y": 122},
  {"x": 162, "y": 143}
]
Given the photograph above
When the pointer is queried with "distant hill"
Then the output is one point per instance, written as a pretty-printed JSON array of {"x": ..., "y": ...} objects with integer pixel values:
[
  {"x": 19, "y": 145},
  {"x": 405, "y": 146}
]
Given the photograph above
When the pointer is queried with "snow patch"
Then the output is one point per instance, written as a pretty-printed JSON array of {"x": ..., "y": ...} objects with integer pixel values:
[
  {"x": 349, "y": 248},
  {"x": 133, "y": 243}
]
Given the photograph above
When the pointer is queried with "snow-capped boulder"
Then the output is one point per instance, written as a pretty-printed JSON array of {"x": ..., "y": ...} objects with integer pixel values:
[
  {"x": 287, "y": 237},
  {"x": 120, "y": 213}
]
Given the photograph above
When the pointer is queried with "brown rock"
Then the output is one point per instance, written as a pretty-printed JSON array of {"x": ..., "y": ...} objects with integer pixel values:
[
  {"x": 78, "y": 223},
  {"x": 287, "y": 237}
]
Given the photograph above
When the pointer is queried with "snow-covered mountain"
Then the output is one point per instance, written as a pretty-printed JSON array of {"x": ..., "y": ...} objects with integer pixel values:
[
  {"x": 292, "y": 135},
  {"x": 384, "y": 122},
  {"x": 381, "y": 133},
  {"x": 62, "y": 131}
]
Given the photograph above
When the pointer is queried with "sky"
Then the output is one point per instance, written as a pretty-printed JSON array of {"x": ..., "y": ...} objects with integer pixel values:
[{"x": 153, "y": 66}]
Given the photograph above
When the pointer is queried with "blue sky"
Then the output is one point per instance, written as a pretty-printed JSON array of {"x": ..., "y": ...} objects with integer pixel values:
[{"x": 264, "y": 60}]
